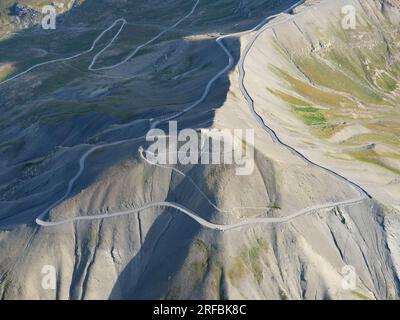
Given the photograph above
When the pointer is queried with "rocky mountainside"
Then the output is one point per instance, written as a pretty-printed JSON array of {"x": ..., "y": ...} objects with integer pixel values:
[
  {"x": 72, "y": 130},
  {"x": 337, "y": 90}
]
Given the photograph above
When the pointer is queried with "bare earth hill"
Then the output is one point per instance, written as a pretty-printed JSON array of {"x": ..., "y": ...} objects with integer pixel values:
[{"x": 76, "y": 103}]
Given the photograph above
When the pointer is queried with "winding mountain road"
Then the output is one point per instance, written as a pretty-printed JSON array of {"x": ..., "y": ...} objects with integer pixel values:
[
  {"x": 260, "y": 120},
  {"x": 155, "y": 122},
  {"x": 74, "y": 56},
  {"x": 110, "y": 43},
  {"x": 191, "y": 214}
]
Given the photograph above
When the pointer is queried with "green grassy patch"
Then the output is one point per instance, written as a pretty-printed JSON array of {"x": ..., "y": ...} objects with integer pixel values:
[
  {"x": 373, "y": 138},
  {"x": 275, "y": 205},
  {"x": 249, "y": 258},
  {"x": 312, "y": 93},
  {"x": 203, "y": 254},
  {"x": 288, "y": 98},
  {"x": 359, "y": 295},
  {"x": 217, "y": 281},
  {"x": 310, "y": 115},
  {"x": 387, "y": 83},
  {"x": 371, "y": 156},
  {"x": 207, "y": 249},
  {"x": 236, "y": 271}
]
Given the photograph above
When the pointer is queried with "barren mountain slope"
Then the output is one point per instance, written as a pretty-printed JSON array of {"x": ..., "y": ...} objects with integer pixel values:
[
  {"x": 333, "y": 92},
  {"x": 53, "y": 116}
]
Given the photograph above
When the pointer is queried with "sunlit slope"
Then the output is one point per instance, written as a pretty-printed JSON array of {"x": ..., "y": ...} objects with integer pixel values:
[{"x": 341, "y": 84}]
